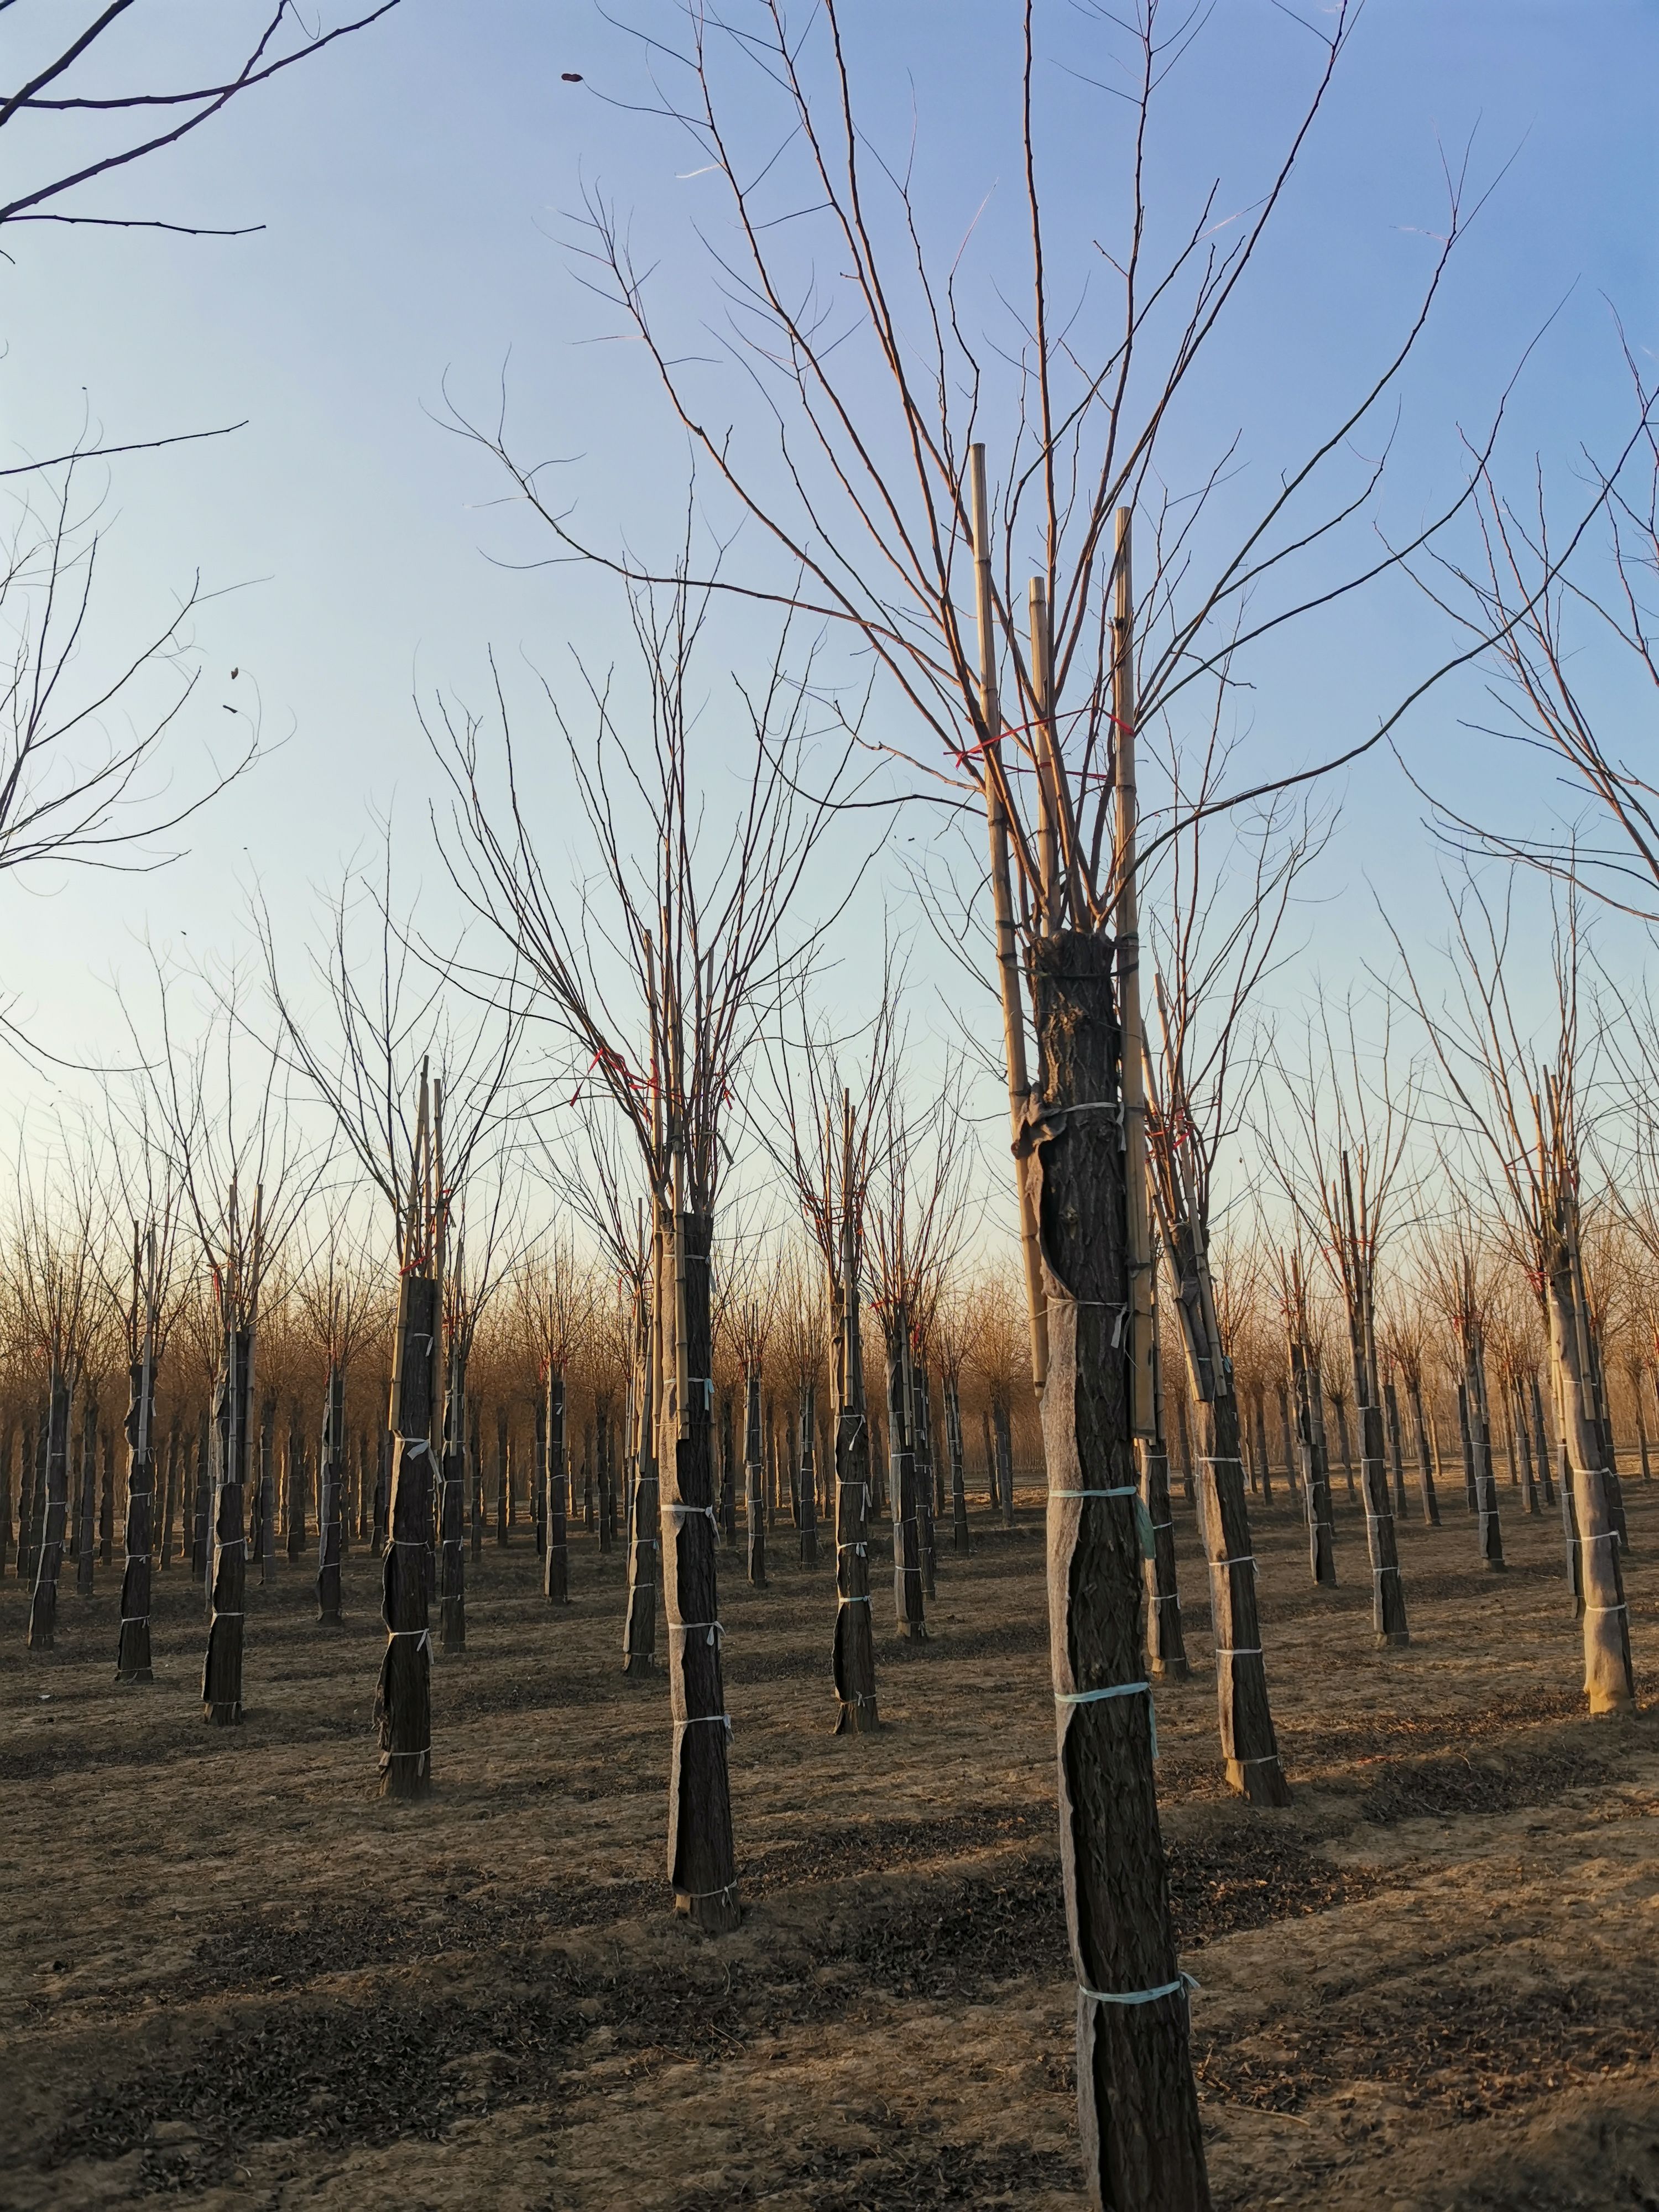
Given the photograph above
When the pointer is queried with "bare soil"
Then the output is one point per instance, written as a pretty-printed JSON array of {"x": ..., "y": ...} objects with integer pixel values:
[{"x": 231, "y": 1975}]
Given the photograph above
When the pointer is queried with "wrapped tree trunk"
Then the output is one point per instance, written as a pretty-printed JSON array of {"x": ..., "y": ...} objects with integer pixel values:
[
  {"x": 908, "y": 1604},
  {"x": 1282, "y": 1392},
  {"x": 51, "y": 1512},
  {"x": 1249, "y": 1743},
  {"x": 961, "y": 1541},
  {"x": 1184, "y": 1440},
  {"x": 403, "y": 1702},
  {"x": 728, "y": 1477},
  {"x": 1396, "y": 1445},
  {"x": 1486, "y": 1479},
  {"x": 1610, "y": 1677},
  {"x": 556, "y": 1581},
  {"x": 26, "y": 1500},
  {"x": 1388, "y": 1589},
  {"x": 587, "y": 1478},
  {"x": 202, "y": 1505},
  {"x": 990, "y": 1458},
  {"x": 1166, "y": 1644},
  {"x": 294, "y": 1510},
  {"x": 1541, "y": 1442},
  {"x": 640, "y": 1625},
  {"x": 1523, "y": 1444},
  {"x": 1260, "y": 1410},
  {"x": 382, "y": 1492},
  {"x": 87, "y": 1554},
  {"x": 1315, "y": 1471},
  {"x": 1005, "y": 1436},
  {"x": 1424, "y": 1453},
  {"x": 475, "y": 1462},
  {"x": 854, "y": 1664},
  {"x": 330, "y": 1461},
  {"x": 702, "y": 1864},
  {"x": 501, "y": 1514},
  {"x": 922, "y": 1437},
  {"x": 1142, "y": 2143},
  {"x": 539, "y": 1479},
  {"x": 132, "y": 1656},
  {"x": 233, "y": 1406},
  {"x": 451, "y": 1505},
  {"x": 264, "y": 1547},
  {"x": 808, "y": 1488},
  {"x": 753, "y": 1477},
  {"x": 170, "y": 1502},
  {"x": 105, "y": 1499},
  {"x": 1339, "y": 1405}
]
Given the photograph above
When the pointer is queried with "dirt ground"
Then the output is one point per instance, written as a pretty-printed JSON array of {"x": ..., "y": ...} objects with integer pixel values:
[{"x": 231, "y": 1975}]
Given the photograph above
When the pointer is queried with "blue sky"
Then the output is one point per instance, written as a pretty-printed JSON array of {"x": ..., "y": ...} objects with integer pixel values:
[{"x": 416, "y": 188}]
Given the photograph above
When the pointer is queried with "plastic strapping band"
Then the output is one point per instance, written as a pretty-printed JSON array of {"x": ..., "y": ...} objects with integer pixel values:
[
  {"x": 1117, "y": 1690},
  {"x": 689, "y": 1627},
  {"x": 698, "y": 1719},
  {"x": 865, "y": 1599},
  {"x": 1182, "y": 1983},
  {"x": 1238, "y": 1650}
]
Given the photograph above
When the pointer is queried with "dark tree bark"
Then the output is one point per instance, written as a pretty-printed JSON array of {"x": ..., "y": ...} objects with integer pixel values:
[
  {"x": 1005, "y": 1439},
  {"x": 502, "y": 1514},
  {"x": 1485, "y": 1482},
  {"x": 1166, "y": 1643},
  {"x": 587, "y": 1478},
  {"x": 1388, "y": 1586},
  {"x": 475, "y": 1462},
  {"x": 1142, "y": 2144},
  {"x": 451, "y": 1507},
  {"x": 538, "y": 1480},
  {"x": 701, "y": 1864},
  {"x": 263, "y": 1549},
  {"x": 1315, "y": 1473},
  {"x": 331, "y": 1463},
  {"x": 807, "y": 1490},
  {"x": 728, "y": 1477},
  {"x": 170, "y": 1500},
  {"x": 293, "y": 1503},
  {"x": 1260, "y": 1409},
  {"x": 1396, "y": 1445},
  {"x": 51, "y": 1510},
  {"x": 1248, "y": 1744},
  {"x": 382, "y": 1492},
  {"x": 1424, "y": 1453},
  {"x": 556, "y": 1578},
  {"x": 1523, "y": 1441},
  {"x": 640, "y": 1625},
  {"x": 87, "y": 1555},
  {"x": 202, "y": 1505},
  {"x": 910, "y": 1605},
  {"x": 921, "y": 1435},
  {"x": 990, "y": 1458},
  {"x": 105, "y": 1499},
  {"x": 1184, "y": 1439},
  {"x": 853, "y": 1663},
  {"x": 132, "y": 1654},
  {"x": 754, "y": 1479},
  {"x": 232, "y": 1407},
  {"x": 403, "y": 1702},
  {"x": 962, "y": 1540},
  {"x": 1282, "y": 1390},
  {"x": 25, "y": 1502}
]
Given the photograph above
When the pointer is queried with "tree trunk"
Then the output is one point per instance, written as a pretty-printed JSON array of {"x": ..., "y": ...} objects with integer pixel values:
[
  {"x": 453, "y": 1503},
  {"x": 754, "y": 1501},
  {"x": 1609, "y": 1679},
  {"x": 961, "y": 1541},
  {"x": 1004, "y": 1436},
  {"x": 1486, "y": 1479},
  {"x": 853, "y": 1661},
  {"x": 728, "y": 1477},
  {"x": 990, "y": 1459},
  {"x": 1340, "y": 1408},
  {"x": 639, "y": 1626},
  {"x": 1388, "y": 1587},
  {"x": 909, "y": 1603},
  {"x": 88, "y": 1538},
  {"x": 1260, "y": 1411},
  {"x": 106, "y": 1500},
  {"x": 26, "y": 1501},
  {"x": 1166, "y": 1644},
  {"x": 132, "y": 1654},
  {"x": 921, "y": 1433},
  {"x": 1523, "y": 1444},
  {"x": 1424, "y": 1454},
  {"x": 1141, "y": 2141},
  {"x": 233, "y": 1410},
  {"x": 332, "y": 1472},
  {"x": 1397, "y": 1446},
  {"x": 200, "y": 1515},
  {"x": 1184, "y": 1439},
  {"x": 1248, "y": 1741},
  {"x": 1282, "y": 1391},
  {"x": 294, "y": 1508},
  {"x": 1315, "y": 1470},
  {"x": 808, "y": 1491},
  {"x": 170, "y": 1497},
  {"x": 556, "y": 1581},
  {"x": 264, "y": 1502},
  {"x": 403, "y": 1702},
  {"x": 702, "y": 1864},
  {"x": 475, "y": 1473}
]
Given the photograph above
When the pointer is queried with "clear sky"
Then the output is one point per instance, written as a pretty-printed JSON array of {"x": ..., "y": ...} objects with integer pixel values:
[{"x": 416, "y": 187}]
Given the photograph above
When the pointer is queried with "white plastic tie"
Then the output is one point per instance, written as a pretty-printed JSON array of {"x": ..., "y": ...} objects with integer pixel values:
[{"x": 1181, "y": 1983}]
